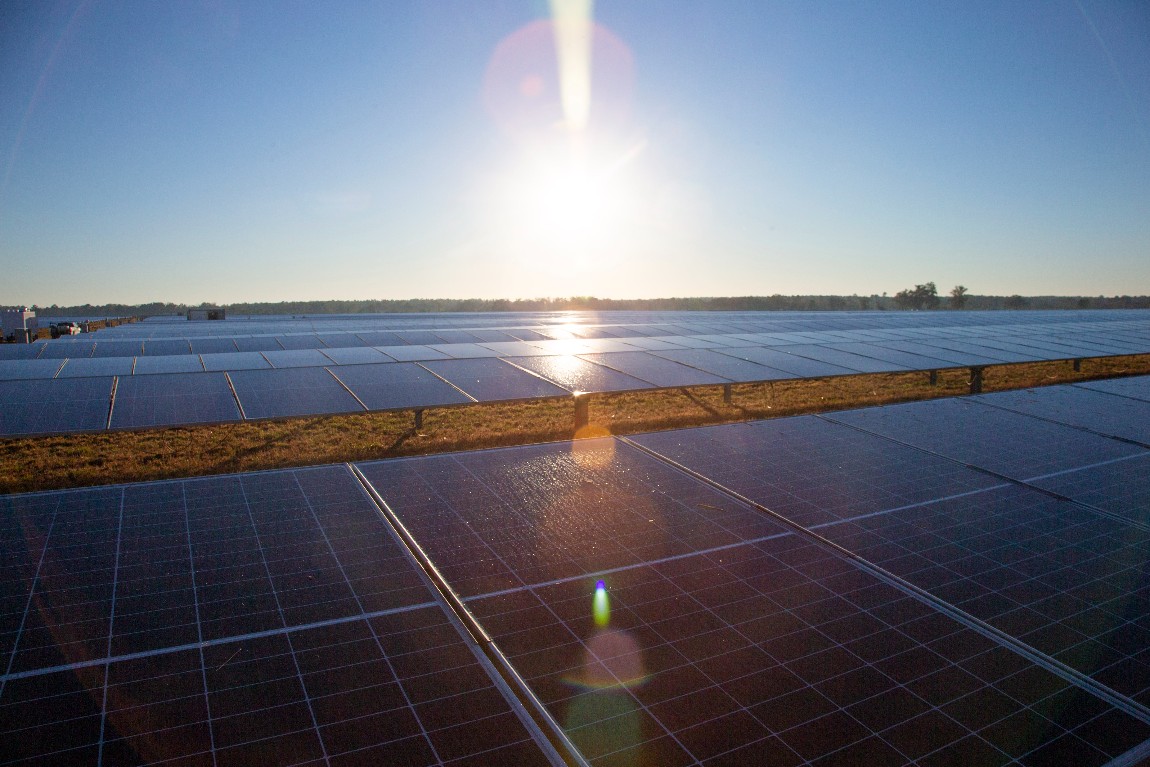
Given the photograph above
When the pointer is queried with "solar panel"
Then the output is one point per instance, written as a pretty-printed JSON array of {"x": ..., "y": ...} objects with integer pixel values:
[
  {"x": 1137, "y": 387},
  {"x": 1008, "y": 443},
  {"x": 380, "y": 338},
  {"x": 21, "y": 351},
  {"x": 176, "y": 363},
  {"x": 118, "y": 349},
  {"x": 1120, "y": 487},
  {"x": 413, "y": 353},
  {"x": 1100, "y": 412},
  {"x": 58, "y": 350},
  {"x": 465, "y": 350},
  {"x": 663, "y": 623},
  {"x": 938, "y": 352},
  {"x": 257, "y": 344},
  {"x": 724, "y": 365},
  {"x": 291, "y": 392},
  {"x": 23, "y": 369},
  {"x": 54, "y": 406},
  {"x": 779, "y": 360},
  {"x": 1064, "y": 580},
  {"x": 235, "y": 361},
  {"x": 213, "y": 345},
  {"x": 398, "y": 385},
  {"x": 656, "y": 370},
  {"x": 844, "y": 359},
  {"x": 490, "y": 380},
  {"x": 97, "y": 366},
  {"x": 297, "y": 358},
  {"x": 160, "y": 346},
  {"x": 355, "y": 355},
  {"x": 579, "y": 375},
  {"x": 423, "y": 337},
  {"x": 906, "y": 359},
  {"x": 341, "y": 340},
  {"x": 169, "y": 399},
  {"x": 813, "y": 471},
  {"x": 266, "y": 619},
  {"x": 309, "y": 341}
]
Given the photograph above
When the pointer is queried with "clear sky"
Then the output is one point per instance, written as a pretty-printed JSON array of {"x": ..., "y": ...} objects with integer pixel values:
[{"x": 223, "y": 150}]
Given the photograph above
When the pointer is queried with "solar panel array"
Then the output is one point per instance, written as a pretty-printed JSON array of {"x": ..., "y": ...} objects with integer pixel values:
[
  {"x": 947, "y": 582},
  {"x": 442, "y": 359}
]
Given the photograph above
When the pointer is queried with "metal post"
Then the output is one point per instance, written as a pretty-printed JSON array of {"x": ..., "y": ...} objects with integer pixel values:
[
  {"x": 1077, "y": 365},
  {"x": 582, "y": 411},
  {"x": 726, "y": 394},
  {"x": 419, "y": 419},
  {"x": 934, "y": 378},
  {"x": 976, "y": 380}
]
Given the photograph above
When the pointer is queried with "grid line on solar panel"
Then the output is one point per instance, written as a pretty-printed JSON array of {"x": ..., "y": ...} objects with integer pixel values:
[
  {"x": 544, "y": 637},
  {"x": 262, "y": 694}
]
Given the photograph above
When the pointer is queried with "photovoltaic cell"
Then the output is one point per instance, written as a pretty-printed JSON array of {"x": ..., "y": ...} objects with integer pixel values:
[
  {"x": 656, "y": 370},
  {"x": 265, "y": 619},
  {"x": 398, "y": 385},
  {"x": 170, "y": 399},
  {"x": 1100, "y": 412},
  {"x": 1008, "y": 443},
  {"x": 54, "y": 406},
  {"x": 814, "y": 472},
  {"x": 97, "y": 366},
  {"x": 289, "y": 392},
  {"x": 579, "y": 375},
  {"x": 492, "y": 379}
]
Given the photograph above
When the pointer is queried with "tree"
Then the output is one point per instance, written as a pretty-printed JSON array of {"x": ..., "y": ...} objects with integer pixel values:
[
  {"x": 958, "y": 297},
  {"x": 922, "y": 297},
  {"x": 1015, "y": 302}
]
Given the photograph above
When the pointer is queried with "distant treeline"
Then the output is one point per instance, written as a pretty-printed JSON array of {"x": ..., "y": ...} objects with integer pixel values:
[{"x": 590, "y": 303}]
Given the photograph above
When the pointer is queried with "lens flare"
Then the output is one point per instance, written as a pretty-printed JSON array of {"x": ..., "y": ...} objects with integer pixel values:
[
  {"x": 572, "y": 25},
  {"x": 601, "y": 606}
]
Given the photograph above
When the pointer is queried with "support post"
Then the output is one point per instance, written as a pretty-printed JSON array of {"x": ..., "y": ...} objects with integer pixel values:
[
  {"x": 726, "y": 394},
  {"x": 419, "y": 418},
  {"x": 582, "y": 411},
  {"x": 1077, "y": 365},
  {"x": 934, "y": 378},
  {"x": 976, "y": 379}
]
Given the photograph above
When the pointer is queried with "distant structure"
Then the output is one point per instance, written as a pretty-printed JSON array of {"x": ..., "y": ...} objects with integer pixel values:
[
  {"x": 20, "y": 325},
  {"x": 206, "y": 314}
]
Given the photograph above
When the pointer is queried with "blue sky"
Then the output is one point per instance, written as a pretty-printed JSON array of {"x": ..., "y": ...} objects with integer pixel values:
[{"x": 211, "y": 150}]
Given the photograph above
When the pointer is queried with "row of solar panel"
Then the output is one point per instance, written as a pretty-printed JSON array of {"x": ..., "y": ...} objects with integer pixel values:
[
  {"x": 563, "y": 325},
  {"x": 273, "y": 618},
  {"x": 849, "y": 352},
  {"x": 110, "y": 346},
  {"x": 64, "y": 404}
]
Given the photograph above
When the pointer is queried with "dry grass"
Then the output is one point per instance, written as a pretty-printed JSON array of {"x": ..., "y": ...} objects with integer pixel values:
[{"x": 79, "y": 460}]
